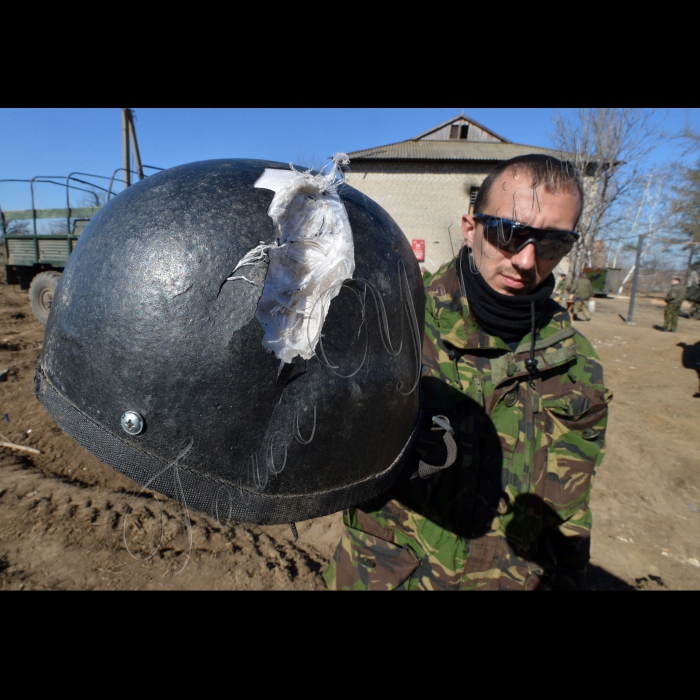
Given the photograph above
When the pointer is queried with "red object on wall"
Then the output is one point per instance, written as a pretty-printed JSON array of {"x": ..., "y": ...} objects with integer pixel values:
[{"x": 418, "y": 245}]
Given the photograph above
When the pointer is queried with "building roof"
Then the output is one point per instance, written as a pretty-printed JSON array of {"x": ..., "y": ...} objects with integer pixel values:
[
  {"x": 449, "y": 150},
  {"x": 439, "y": 144},
  {"x": 464, "y": 117}
]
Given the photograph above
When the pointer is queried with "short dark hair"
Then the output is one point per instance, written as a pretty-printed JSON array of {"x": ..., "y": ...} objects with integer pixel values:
[{"x": 555, "y": 174}]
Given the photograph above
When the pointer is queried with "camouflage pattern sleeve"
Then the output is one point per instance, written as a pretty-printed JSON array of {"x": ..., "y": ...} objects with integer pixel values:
[{"x": 579, "y": 449}]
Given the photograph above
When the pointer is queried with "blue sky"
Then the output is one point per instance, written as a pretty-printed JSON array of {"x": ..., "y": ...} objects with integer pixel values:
[{"x": 59, "y": 141}]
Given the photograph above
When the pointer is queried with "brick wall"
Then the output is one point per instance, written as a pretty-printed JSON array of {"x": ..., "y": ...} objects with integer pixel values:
[{"x": 423, "y": 199}]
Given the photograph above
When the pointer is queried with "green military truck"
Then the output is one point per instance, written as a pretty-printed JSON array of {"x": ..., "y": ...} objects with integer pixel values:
[
  {"x": 605, "y": 280},
  {"x": 37, "y": 242},
  {"x": 34, "y": 259}
]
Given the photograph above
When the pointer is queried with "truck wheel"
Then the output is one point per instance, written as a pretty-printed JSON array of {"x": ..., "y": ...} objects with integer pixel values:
[{"x": 41, "y": 292}]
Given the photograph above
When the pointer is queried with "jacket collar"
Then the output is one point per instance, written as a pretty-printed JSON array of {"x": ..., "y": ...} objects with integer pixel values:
[{"x": 459, "y": 328}]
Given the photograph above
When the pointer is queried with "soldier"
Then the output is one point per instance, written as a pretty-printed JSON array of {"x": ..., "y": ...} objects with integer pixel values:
[
  {"x": 674, "y": 301},
  {"x": 560, "y": 289},
  {"x": 581, "y": 290},
  {"x": 514, "y": 411}
]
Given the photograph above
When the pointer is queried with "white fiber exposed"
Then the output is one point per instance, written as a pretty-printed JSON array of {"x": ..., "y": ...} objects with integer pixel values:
[
  {"x": 251, "y": 259},
  {"x": 313, "y": 253}
]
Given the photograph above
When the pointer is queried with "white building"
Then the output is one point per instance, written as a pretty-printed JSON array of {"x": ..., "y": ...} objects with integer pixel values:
[{"x": 428, "y": 182}]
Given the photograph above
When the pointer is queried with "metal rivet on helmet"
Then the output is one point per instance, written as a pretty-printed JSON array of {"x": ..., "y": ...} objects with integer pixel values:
[{"x": 132, "y": 423}]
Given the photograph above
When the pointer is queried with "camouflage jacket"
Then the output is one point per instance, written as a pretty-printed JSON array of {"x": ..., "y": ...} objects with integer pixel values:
[
  {"x": 676, "y": 295},
  {"x": 582, "y": 287},
  {"x": 512, "y": 511}
]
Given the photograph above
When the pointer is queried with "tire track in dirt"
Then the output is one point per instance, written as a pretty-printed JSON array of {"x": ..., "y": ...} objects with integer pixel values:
[{"x": 54, "y": 534}]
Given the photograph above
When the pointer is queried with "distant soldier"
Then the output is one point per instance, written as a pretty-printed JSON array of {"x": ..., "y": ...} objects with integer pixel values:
[
  {"x": 560, "y": 290},
  {"x": 674, "y": 300},
  {"x": 582, "y": 291}
]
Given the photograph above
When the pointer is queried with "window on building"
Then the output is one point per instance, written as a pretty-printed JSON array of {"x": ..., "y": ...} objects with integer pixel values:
[
  {"x": 472, "y": 198},
  {"x": 459, "y": 131}
]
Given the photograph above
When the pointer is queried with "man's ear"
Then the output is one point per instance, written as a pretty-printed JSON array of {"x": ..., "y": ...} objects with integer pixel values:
[{"x": 468, "y": 226}]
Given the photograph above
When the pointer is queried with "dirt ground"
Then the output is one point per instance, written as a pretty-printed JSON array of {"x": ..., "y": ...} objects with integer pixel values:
[{"x": 62, "y": 511}]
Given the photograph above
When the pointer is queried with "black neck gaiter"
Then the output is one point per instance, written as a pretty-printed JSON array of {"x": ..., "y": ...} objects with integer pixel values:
[{"x": 507, "y": 317}]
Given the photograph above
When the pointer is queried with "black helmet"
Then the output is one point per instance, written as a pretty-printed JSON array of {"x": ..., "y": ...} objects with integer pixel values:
[{"x": 154, "y": 360}]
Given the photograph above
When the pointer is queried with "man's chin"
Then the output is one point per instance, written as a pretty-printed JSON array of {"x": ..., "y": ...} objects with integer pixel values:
[
  {"x": 515, "y": 293},
  {"x": 514, "y": 290},
  {"x": 527, "y": 289}
]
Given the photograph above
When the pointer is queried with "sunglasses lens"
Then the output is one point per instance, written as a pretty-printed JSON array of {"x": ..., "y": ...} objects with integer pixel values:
[
  {"x": 511, "y": 239},
  {"x": 507, "y": 239},
  {"x": 502, "y": 233},
  {"x": 552, "y": 248}
]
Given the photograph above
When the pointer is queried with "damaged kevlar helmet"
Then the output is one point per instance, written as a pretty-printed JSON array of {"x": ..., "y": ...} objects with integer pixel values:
[{"x": 243, "y": 337}]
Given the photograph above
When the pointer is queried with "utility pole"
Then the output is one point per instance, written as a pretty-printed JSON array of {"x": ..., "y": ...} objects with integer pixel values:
[
  {"x": 135, "y": 146},
  {"x": 129, "y": 140},
  {"x": 125, "y": 147},
  {"x": 630, "y": 322}
]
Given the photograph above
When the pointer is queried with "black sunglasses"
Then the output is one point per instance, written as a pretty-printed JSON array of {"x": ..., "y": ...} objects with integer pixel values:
[{"x": 512, "y": 237}]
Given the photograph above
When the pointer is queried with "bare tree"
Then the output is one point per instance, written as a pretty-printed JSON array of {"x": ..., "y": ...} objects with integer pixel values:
[
  {"x": 653, "y": 221},
  {"x": 688, "y": 136},
  {"x": 18, "y": 228},
  {"x": 57, "y": 227},
  {"x": 620, "y": 237},
  {"x": 608, "y": 146},
  {"x": 686, "y": 207},
  {"x": 686, "y": 200}
]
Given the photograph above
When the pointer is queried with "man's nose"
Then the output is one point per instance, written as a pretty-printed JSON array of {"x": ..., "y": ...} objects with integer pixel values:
[{"x": 526, "y": 258}]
